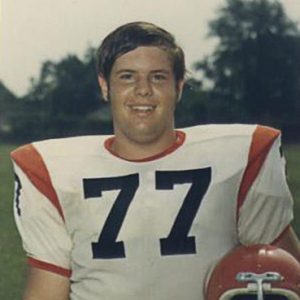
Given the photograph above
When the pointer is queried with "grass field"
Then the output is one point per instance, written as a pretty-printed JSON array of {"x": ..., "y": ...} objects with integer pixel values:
[{"x": 12, "y": 261}]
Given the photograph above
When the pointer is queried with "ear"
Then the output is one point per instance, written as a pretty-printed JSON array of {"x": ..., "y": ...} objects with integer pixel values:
[
  {"x": 104, "y": 86},
  {"x": 180, "y": 85}
]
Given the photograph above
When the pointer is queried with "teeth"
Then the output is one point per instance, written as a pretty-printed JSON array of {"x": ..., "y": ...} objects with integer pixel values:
[{"x": 142, "y": 107}]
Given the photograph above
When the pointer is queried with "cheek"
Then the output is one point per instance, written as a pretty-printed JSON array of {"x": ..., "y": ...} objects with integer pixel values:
[
  {"x": 169, "y": 97},
  {"x": 117, "y": 106},
  {"x": 119, "y": 93}
]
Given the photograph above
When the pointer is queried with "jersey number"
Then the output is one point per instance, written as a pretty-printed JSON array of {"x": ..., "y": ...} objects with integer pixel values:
[
  {"x": 18, "y": 188},
  {"x": 177, "y": 242}
]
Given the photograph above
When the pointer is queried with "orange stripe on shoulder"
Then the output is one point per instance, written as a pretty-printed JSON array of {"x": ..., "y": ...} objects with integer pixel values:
[
  {"x": 32, "y": 164},
  {"x": 49, "y": 267},
  {"x": 262, "y": 140}
]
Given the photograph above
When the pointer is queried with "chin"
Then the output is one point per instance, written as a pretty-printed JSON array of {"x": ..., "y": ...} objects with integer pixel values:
[{"x": 143, "y": 135}]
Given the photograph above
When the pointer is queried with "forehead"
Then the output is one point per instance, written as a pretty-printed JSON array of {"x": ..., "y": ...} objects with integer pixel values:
[{"x": 144, "y": 58}]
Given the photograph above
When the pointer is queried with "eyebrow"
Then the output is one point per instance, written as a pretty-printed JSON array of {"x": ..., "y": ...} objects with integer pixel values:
[
  {"x": 125, "y": 71},
  {"x": 152, "y": 71}
]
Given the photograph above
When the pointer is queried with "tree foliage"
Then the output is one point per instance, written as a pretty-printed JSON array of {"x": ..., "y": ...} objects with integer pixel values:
[
  {"x": 8, "y": 103},
  {"x": 64, "y": 100},
  {"x": 255, "y": 68}
]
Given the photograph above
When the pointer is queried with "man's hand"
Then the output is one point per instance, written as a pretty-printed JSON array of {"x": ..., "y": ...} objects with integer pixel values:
[{"x": 289, "y": 242}]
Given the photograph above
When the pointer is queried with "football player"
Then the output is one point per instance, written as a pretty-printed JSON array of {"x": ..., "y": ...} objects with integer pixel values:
[{"x": 147, "y": 212}]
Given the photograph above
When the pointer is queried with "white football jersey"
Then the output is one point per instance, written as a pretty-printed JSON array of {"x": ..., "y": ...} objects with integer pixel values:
[{"x": 149, "y": 229}]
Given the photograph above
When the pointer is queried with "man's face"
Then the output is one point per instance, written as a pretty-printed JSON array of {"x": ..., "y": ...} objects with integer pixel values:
[{"x": 143, "y": 95}]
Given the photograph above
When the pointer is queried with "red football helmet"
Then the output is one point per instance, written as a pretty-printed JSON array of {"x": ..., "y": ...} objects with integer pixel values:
[{"x": 261, "y": 272}]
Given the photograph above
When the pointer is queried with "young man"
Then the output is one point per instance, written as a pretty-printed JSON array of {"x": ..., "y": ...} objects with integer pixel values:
[{"x": 145, "y": 214}]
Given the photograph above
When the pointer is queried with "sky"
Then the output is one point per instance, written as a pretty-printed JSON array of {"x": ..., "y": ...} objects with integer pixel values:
[{"x": 33, "y": 31}]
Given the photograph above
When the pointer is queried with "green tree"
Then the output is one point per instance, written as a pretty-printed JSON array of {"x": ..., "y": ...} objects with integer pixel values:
[
  {"x": 192, "y": 108},
  {"x": 255, "y": 68},
  {"x": 8, "y": 104},
  {"x": 64, "y": 100}
]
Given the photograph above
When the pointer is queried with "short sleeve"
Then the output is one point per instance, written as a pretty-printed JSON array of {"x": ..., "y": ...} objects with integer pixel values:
[
  {"x": 268, "y": 206},
  {"x": 41, "y": 226}
]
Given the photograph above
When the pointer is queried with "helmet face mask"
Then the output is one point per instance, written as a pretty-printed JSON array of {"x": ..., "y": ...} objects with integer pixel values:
[
  {"x": 254, "y": 297},
  {"x": 258, "y": 272},
  {"x": 251, "y": 293}
]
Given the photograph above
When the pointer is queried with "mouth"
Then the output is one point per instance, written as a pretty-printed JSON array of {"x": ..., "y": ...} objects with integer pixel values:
[{"x": 142, "y": 109}]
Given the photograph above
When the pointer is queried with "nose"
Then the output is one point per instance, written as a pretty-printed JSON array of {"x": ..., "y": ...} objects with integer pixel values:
[{"x": 143, "y": 87}]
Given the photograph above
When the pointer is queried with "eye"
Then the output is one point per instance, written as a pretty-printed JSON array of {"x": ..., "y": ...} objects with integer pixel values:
[
  {"x": 126, "y": 76},
  {"x": 159, "y": 77}
]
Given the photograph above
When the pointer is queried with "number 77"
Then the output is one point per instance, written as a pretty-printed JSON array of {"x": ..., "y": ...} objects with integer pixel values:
[{"x": 177, "y": 242}]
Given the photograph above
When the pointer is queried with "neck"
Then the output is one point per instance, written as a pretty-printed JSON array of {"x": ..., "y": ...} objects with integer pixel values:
[{"x": 132, "y": 150}]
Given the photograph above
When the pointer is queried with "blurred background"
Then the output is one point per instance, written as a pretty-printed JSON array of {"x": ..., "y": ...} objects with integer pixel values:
[
  {"x": 243, "y": 61},
  {"x": 243, "y": 65}
]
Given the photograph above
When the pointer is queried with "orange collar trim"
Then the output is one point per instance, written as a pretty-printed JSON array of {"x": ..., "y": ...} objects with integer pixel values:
[{"x": 180, "y": 138}]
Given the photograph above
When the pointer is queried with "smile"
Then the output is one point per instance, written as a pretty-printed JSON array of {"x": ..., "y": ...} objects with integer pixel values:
[{"x": 142, "y": 108}]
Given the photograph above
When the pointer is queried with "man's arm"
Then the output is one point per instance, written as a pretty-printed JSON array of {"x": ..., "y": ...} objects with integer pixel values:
[
  {"x": 289, "y": 242},
  {"x": 44, "y": 285}
]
